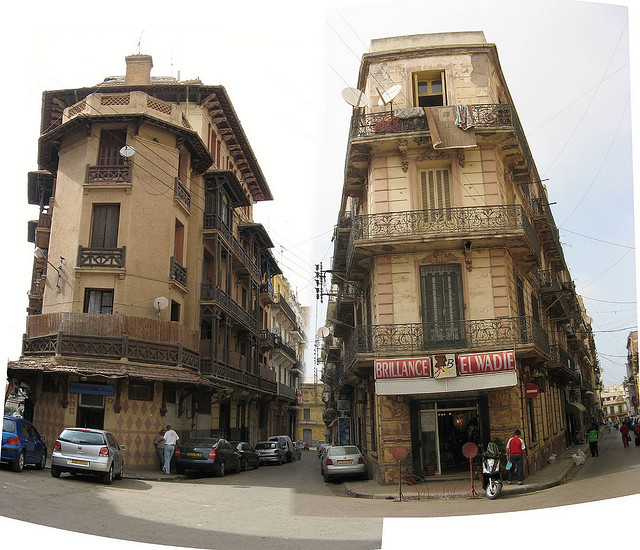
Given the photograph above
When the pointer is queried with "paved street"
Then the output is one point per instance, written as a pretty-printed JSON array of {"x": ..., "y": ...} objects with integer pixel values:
[{"x": 288, "y": 506}]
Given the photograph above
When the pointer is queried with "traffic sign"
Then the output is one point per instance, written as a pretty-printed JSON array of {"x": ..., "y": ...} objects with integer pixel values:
[{"x": 531, "y": 391}]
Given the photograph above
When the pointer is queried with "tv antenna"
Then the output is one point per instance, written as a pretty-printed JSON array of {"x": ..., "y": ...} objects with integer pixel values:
[
  {"x": 388, "y": 95},
  {"x": 354, "y": 97},
  {"x": 139, "y": 41}
]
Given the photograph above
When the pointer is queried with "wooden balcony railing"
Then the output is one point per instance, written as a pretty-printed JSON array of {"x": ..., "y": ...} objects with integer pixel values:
[
  {"x": 211, "y": 293},
  {"x": 117, "y": 173},
  {"x": 101, "y": 257}
]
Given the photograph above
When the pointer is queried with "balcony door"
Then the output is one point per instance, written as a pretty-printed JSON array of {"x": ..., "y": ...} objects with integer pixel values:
[
  {"x": 442, "y": 306},
  {"x": 111, "y": 141}
]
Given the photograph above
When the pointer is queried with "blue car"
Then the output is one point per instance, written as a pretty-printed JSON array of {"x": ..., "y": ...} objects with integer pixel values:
[{"x": 22, "y": 444}]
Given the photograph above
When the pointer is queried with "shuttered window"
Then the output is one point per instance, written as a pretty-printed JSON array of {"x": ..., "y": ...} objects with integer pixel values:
[
  {"x": 104, "y": 227},
  {"x": 442, "y": 304},
  {"x": 111, "y": 141},
  {"x": 435, "y": 189}
]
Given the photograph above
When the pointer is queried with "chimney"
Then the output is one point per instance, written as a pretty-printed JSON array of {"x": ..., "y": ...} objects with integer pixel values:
[{"x": 138, "y": 70}]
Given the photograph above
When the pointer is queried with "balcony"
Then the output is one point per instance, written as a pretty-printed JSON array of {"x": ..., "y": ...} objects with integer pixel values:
[
  {"x": 177, "y": 272},
  {"x": 545, "y": 226},
  {"x": 101, "y": 257},
  {"x": 266, "y": 290},
  {"x": 286, "y": 391},
  {"x": 108, "y": 174},
  {"x": 286, "y": 308},
  {"x": 523, "y": 334},
  {"x": 396, "y": 232},
  {"x": 557, "y": 297},
  {"x": 211, "y": 295},
  {"x": 285, "y": 348},
  {"x": 114, "y": 337},
  {"x": 181, "y": 194}
]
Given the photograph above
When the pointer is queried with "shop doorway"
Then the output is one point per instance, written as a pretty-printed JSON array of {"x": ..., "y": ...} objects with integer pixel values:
[
  {"x": 90, "y": 411},
  {"x": 445, "y": 427}
]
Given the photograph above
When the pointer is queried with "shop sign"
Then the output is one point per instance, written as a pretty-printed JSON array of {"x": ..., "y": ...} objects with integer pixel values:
[
  {"x": 444, "y": 366},
  {"x": 487, "y": 363},
  {"x": 416, "y": 367},
  {"x": 344, "y": 405},
  {"x": 344, "y": 431},
  {"x": 91, "y": 389}
]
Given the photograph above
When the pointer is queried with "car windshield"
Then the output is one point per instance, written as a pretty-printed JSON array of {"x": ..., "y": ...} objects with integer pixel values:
[
  {"x": 263, "y": 446},
  {"x": 202, "y": 442},
  {"x": 346, "y": 450},
  {"x": 82, "y": 437},
  {"x": 9, "y": 426}
]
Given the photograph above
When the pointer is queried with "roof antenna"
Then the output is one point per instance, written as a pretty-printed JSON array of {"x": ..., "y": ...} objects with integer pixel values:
[{"x": 140, "y": 40}]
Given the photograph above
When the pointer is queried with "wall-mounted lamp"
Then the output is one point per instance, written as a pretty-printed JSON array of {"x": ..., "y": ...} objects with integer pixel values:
[{"x": 41, "y": 254}]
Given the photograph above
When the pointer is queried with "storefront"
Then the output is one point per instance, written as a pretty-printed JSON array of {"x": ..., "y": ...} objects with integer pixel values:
[{"x": 448, "y": 402}]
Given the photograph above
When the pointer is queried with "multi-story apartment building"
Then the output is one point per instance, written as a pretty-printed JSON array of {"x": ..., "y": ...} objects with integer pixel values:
[
  {"x": 454, "y": 317},
  {"x": 631, "y": 380},
  {"x": 311, "y": 426},
  {"x": 150, "y": 276},
  {"x": 615, "y": 404}
]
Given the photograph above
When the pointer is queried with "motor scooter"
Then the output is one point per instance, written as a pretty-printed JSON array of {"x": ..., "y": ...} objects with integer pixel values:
[{"x": 491, "y": 473}]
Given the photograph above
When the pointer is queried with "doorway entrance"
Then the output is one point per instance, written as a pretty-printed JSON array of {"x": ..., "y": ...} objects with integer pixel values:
[
  {"x": 445, "y": 427},
  {"x": 90, "y": 411}
]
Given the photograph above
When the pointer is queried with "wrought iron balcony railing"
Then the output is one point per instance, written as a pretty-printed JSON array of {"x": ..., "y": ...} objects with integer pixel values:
[
  {"x": 282, "y": 302},
  {"x": 444, "y": 222},
  {"x": 101, "y": 257},
  {"x": 471, "y": 335},
  {"x": 177, "y": 272},
  {"x": 286, "y": 391},
  {"x": 181, "y": 193},
  {"x": 117, "y": 173}
]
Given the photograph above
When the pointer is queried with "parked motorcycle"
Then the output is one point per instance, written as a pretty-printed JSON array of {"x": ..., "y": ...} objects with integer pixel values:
[{"x": 491, "y": 472}]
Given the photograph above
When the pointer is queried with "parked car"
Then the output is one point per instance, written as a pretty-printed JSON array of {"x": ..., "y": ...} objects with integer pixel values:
[
  {"x": 22, "y": 444},
  {"x": 287, "y": 444},
  {"x": 342, "y": 461},
  {"x": 270, "y": 451},
  {"x": 248, "y": 455},
  {"x": 88, "y": 451},
  {"x": 304, "y": 445},
  {"x": 322, "y": 448},
  {"x": 213, "y": 454}
]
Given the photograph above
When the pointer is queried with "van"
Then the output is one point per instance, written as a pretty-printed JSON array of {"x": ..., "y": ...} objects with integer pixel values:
[{"x": 286, "y": 443}]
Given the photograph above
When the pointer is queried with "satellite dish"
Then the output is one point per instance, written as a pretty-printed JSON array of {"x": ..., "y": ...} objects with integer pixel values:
[
  {"x": 389, "y": 94},
  {"x": 354, "y": 97},
  {"x": 127, "y": 151},
  {"x": 160, "y": 303},
  {"x": 323, "y": 332}
]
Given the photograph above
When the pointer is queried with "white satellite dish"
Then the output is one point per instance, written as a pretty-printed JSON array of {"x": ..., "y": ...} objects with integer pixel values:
[
  {"x": 323, "y": 332},
  {"x": 160, "y": 303},
  {"x": 354, "y": 97},
  {"x": 127, "y": 151},
  {"x": 389, "y": 94}
]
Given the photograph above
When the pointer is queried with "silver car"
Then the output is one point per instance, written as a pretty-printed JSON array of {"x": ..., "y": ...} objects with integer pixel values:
[
  {"x": 88, "y": 451},
  {"x": 343, "y": 460},
  {"x": 270, "y": 451}
]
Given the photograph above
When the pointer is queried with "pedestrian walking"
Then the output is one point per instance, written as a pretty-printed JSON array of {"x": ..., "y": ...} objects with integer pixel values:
[
  {"x": 592, "y": 436},
  {"x": 170, "y": 440},
  {"x": 516, "y": 452},
  {"x": 159, "y": 444},
  {"x": 624, "y": 430}
]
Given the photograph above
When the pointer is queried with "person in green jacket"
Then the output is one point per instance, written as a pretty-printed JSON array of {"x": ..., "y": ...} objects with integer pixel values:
[{"x": 592, "y": 437}]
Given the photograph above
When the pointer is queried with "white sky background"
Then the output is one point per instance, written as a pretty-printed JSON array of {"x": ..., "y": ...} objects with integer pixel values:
[
  {"x": 566, "y": 65},
  {"x": 284, "y": 65}
]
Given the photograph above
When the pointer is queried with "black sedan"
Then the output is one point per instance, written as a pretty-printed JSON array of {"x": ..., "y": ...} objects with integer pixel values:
[
  {"x": 212, "y": 454},
  {"x": 248, "y": 455}
]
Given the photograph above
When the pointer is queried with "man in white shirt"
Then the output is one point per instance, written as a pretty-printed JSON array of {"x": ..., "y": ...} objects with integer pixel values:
[{"x": 170, "y": 440}]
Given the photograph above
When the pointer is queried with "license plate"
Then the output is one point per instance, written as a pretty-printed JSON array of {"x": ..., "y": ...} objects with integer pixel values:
[
  {"x": 81, "y": 462},
  {"x": 344, "y": 461},
  {"x": 193, "y": 454}
]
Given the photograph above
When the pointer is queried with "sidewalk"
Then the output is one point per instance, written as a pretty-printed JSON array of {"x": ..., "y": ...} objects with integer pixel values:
[
  {"x": 446, "y": 487},
  {"x": 460, "y": 486}
]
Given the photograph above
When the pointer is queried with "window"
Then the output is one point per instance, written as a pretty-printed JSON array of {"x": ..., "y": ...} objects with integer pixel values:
[
  {"x": 141, "y": 391},
  {"x": 104, "y": 225},
  {"x": 111, "y": 141},
  {"x": 175, "y": 311},
  {"x": 178, "y": 245},
  {"x": 429, "y": 89},
  {"x": 49, "y": 384},
  {"x": 98, "y": 301},
  {"x": 183, "y": 163},
  {"x": 307, "y": 414},
  {"x": 442, "y": 305},
  {"x": 435, "y": 189}
]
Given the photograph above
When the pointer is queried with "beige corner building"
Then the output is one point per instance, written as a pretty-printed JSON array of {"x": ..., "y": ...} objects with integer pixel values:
[
  {"x": 152, "y": 284},
  {"x": 454, "y": 317}
]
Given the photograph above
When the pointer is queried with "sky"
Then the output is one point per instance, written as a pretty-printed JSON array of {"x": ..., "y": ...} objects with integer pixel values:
[{"x": 284, "y": 65}]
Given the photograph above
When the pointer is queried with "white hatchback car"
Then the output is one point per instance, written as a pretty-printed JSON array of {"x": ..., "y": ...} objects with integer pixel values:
[
  {"x": 343, "y": 461},
  {"x": 88, "y": 451}
]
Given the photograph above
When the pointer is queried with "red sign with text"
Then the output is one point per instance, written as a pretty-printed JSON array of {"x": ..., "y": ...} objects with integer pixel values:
[
  {"x": 486, "y": 363},
  {"x": 419, "y": 367}
]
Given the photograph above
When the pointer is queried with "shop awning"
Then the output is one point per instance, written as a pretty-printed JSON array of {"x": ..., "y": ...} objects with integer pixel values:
[{"x": 576, "y": 408}]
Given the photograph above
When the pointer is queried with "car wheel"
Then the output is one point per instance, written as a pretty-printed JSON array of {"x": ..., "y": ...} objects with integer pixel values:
[
  {"x": 243, "y": 465},
  {"x": 220, "y": 469},
  {"x": 327, "y": 478},
  {"x": 107, "y": 477},
  {"x": 121, "y": 472},
  {"x": 43, "y": 461},
  {"x": 55, "y": 472},
  {"x": 18, "y": 465},
  {"x": 256, "y": 465}
]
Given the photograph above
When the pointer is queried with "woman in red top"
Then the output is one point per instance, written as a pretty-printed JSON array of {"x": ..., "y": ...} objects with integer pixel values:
[{"x": 624, "y": 430}]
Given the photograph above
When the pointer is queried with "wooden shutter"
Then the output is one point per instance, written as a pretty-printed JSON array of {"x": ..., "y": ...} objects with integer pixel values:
[
  {"x": 111, "y": 141},
  {"x": 104, "y": 230},
  {"x": 442, "y": 304},
  {"x": 435, "y": 189}
]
